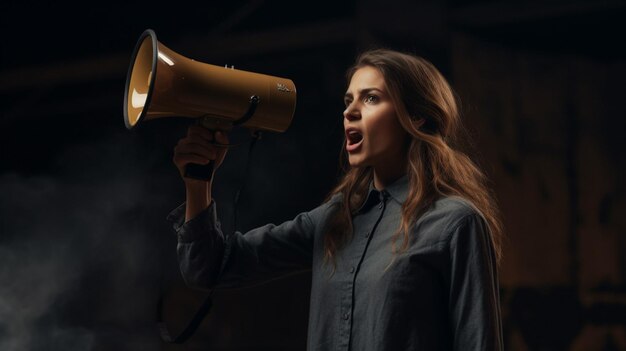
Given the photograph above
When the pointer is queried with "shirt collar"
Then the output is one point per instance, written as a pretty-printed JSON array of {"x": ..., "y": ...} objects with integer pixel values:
[{"x": 397, "y": 190}]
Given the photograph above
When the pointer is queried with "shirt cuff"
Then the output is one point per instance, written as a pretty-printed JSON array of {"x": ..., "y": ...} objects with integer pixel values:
[{"x": 196, "y": 228}]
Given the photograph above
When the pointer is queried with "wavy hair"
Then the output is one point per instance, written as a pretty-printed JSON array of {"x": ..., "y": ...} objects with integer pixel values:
[{"x": 426, "y": 107}]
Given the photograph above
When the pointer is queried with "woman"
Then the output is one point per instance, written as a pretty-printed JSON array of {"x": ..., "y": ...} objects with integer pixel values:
[{"x": 403, "y": 253}]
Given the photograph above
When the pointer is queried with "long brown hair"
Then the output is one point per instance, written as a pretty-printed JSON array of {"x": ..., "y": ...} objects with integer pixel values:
[{"x": 427, "y": 109}]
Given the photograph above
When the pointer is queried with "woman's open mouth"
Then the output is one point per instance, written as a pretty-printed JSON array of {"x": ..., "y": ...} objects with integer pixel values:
[{"x": 354, "y": 139}]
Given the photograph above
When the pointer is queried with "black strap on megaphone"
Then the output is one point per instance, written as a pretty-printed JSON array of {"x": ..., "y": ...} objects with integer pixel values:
[
  {"x": 191, "y": 327},
  {"x": 206, "y": 305}
]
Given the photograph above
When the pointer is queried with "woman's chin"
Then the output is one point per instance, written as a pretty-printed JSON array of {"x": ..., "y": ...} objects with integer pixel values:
[{"x": 356, "y": 161}]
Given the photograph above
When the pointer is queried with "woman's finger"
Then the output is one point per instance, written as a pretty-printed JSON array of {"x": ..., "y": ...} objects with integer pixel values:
[
  {"x": 190, "y": 147},
  {"x": 221, "y": 137},
  {"x": 181, "y": 160},
  {"x": 201, "y": 132},
  {"x": 194, "y": 141}
]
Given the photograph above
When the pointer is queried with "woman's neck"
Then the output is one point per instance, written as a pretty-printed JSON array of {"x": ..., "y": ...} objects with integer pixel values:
[{"x": 387, "y": 174}]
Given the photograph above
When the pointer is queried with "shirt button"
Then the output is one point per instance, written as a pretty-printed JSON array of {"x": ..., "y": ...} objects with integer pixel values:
[
  {"x": 351, "y": 269},
  {"x": 346, "y": 316}
]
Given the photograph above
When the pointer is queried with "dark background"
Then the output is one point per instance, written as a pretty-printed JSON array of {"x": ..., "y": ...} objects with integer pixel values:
[{"x": 85, "y": 250}]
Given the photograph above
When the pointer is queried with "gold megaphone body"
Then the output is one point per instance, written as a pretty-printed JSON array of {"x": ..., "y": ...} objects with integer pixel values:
[{"x": 161, "y": 83}]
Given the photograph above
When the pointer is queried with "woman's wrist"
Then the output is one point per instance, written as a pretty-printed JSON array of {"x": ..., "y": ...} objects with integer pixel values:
[{"x": 198, "y": 194}]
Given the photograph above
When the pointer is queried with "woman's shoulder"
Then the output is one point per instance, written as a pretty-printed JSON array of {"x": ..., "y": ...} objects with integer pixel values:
[
  {"x": 454, "y": 207},
  {"x": 447, "y": 213}
]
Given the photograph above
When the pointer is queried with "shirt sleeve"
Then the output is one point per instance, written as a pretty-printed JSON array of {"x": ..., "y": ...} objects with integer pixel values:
[
  {"x": 209, "y": 259},
  {"x": 474, "y": 303}
]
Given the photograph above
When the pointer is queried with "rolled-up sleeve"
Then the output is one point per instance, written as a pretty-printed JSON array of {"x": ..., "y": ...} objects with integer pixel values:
[
  {"x": 201, "y": 246},
  {"x": 474, "y": 303}
]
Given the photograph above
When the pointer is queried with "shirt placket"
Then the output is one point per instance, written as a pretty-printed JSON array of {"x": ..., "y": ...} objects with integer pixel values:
[{"x": 351, "y": 270}]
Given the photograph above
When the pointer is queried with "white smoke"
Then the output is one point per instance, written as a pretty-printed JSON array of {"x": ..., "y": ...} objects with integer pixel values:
[{"x": 77, "y": 264}]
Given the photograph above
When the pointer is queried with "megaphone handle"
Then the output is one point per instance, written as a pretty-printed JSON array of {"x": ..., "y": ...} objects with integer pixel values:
[
  {"x": 197, "y": 171},
  {"x": 205, "y": 172}
]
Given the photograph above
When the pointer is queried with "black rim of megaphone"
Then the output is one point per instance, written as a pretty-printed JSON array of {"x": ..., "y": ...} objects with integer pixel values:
[{"x": 155, "y": 49}]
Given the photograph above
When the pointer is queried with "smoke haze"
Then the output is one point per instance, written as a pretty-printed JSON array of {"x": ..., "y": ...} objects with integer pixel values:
[{"x": 78, "y": 265}]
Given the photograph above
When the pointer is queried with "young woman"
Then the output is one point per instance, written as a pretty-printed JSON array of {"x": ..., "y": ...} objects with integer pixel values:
[{"x": 404, "y": 252}]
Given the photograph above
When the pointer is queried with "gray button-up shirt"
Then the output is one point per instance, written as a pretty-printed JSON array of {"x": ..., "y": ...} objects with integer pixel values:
[{"x": 439, "y": 294}]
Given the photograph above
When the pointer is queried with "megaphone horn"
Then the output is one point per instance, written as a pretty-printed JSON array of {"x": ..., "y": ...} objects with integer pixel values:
[{"x": 162, "y": 83}]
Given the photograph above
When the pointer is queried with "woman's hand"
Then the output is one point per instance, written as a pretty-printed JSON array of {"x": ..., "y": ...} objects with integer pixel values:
[{"x": 198, "y": 147}]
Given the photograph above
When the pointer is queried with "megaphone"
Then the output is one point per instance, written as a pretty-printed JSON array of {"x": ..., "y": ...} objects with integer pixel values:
[{"x": 162, "y": 83}]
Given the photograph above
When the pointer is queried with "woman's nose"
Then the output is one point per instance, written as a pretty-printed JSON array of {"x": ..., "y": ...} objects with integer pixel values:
[{"x": 351, "y": 113}]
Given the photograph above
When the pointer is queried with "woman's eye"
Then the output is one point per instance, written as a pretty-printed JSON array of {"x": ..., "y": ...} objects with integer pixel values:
[
  {"x": 371, "y": 98},
  {"x": 347, "y": 102}
]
